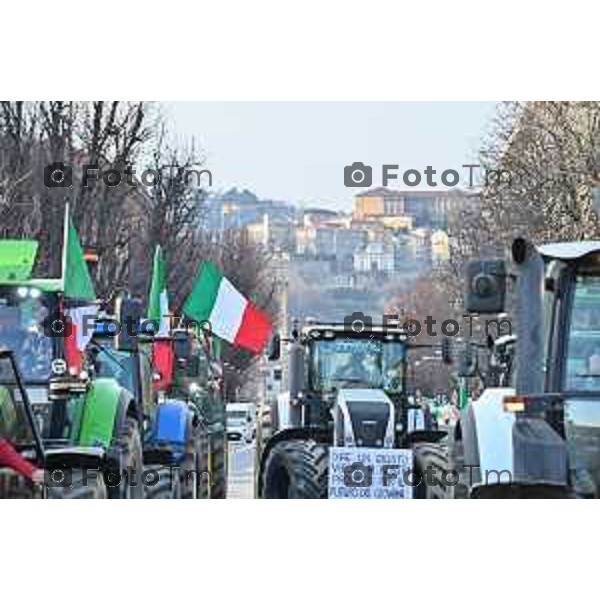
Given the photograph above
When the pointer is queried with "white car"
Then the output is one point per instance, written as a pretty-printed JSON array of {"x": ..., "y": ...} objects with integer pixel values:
[{"x": 241, "y": 422}]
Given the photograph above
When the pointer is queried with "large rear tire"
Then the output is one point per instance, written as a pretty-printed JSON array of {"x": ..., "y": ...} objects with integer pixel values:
[
  {"x": 120, "y": 484},
  {"x": 202, "y": 465},
  {"x": 510, "y": 491},
  {"x": 431, "y": 469},
  {"x": 15, "y": 486},
  {"x": 84, "y": 485},
  {"x": 460, "y": 491},
  {"x": 296, "y": 469},
  {"x": 168, "y": 485},
  {"x": 218, "y": 466},
  {"x": 191, "y": 473}
]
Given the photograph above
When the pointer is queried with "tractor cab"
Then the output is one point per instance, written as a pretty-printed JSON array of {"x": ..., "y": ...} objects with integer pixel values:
[
  {"x": 556, "y": 355},
  {"x": 336, "y": 370},
  {"x": 120, "y": 351},
  {"x": 198, "y": 374},
  {"x": 355, "y": 360},
  {"x": 17, "y": 422},
  {"x": 24, "y": 329},
  {"x": 39, "y": 325}
]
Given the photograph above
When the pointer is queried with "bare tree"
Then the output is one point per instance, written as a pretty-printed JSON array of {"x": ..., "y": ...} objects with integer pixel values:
[
  {"x": 123, "y": 222},
  {"x": 35, "y": 135}
]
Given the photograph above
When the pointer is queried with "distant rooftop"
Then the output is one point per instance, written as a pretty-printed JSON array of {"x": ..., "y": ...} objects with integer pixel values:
[
  {"x": 394, "y": 193},
  {"x": 321, "y": 211}
]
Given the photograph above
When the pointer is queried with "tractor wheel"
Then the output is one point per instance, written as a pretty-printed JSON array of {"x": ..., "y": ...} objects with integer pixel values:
[
  {"x": 190, "y": 475},
  {"x": 431, "y": 467},
  {"x": 85, "y": 484},
  {"x": 218, "y": 467},
  {"x": 14, "y": 486},
  {"x": 296, "y": 469},
  {"x": 167, "y": 487},
  {"x": 202, "y": 466},
  {"x": 522, "y": 491},
  {"x": 122, "y": 485},
  {"x": 460, "y": 491}
]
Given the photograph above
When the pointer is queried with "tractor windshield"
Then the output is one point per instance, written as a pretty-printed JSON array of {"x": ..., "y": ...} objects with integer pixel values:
[
  {"x": 583, "y": 355},
  {"x": 23, "y": 311},
  {"x": 14, "y": 425},
  {"x": 356, "y": 362},
  {"x": 115, "y": 364}
]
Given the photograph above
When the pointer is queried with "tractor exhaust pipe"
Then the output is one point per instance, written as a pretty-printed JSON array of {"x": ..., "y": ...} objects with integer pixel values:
[
  {"x": 296, "y": 382},
  {"x": 530, "y": 284}
]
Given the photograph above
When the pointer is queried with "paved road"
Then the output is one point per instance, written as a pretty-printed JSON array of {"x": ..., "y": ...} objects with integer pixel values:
[{"x": 241, "y": 470}]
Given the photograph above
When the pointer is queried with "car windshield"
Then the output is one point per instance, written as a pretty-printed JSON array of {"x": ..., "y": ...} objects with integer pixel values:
[
  {"x": 22, "y": 315},
  {"x": 583, "y": 357},
  {"x": 355, "y": 362},
  {"x": 14, "y": 425},
  {"x": 235, "y": 415}
]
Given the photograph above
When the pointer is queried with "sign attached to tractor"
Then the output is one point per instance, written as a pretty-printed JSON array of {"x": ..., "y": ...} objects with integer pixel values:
[{"x": 370, "y": 473}]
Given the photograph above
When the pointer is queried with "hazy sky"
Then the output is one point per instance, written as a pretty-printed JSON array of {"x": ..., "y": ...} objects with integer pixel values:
[{"x": 297, "y": 151}]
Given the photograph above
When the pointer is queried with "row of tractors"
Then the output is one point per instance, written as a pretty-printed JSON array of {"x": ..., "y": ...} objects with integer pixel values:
[
  {"x": 106, "y": 408},
  {"x": 346, "y": 427}
]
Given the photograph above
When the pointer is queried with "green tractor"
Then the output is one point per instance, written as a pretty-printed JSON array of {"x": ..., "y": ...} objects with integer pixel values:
[
  {"x": 90, "y": 424},
  {"x": 176, "y": 384}
]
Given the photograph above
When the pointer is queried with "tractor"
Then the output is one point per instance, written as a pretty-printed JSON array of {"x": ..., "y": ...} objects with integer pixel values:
[
  {"x": 91, "y": 423},
  {"x": 535, "y": 430},
  {"x": 198, "y": 378},
  {"x": 346, "y": 399},
  {"x": 171, "y": 377}
]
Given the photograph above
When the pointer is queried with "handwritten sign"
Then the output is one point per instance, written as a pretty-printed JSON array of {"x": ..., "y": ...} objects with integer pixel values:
[{"x": 370, "y": 473}]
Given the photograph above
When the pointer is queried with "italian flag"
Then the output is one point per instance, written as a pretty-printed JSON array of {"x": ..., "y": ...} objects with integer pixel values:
[
  {"x": 230, "y": 315},
  {"x": 158, "y": 302},
  {"x": 80, "y": 298},
  {"x": 158, "y": 310}
]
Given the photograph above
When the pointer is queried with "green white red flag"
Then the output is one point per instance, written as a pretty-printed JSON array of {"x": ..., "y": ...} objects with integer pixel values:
[
  {"x": 158, "y": 311},
  {"x": 158, "y": 300},
  {"x": 80, "y": 297},
  {"x": 231, "y": 316}
]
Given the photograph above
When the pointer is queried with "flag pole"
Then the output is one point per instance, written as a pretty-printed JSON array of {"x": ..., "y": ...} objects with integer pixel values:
[{"x": 65, "y": 243}]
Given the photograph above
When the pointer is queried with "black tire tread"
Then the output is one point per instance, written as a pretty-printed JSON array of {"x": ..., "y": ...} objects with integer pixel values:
[
  {"x": 90, "y": 487},
  {"x": 218, "y": 474},
  {"x": 434, "y": 456},
  {"x": 168, "y": 486},
  {"x": 130, "y": 447},
  {"x": 306, "y": 463}
]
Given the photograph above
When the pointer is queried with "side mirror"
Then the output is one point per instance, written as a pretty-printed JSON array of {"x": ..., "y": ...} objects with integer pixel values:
[
  {"x": 594, "y": 365},
  {"x": 447, "y": 351},
  {"x": 129, "y": 313},
  {"x": 467, "y": 363},
  {"x": 193, "y": 366},
  {"x": 182, "y": 346},
  {"x": 486, "y": 286},
  {"x": 274, "y": 349}
]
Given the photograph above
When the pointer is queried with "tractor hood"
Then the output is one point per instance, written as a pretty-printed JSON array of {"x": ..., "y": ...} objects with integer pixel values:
[
  {"x": 569, "y": 250},
  {"x": 363, "y": 395},
  {"x": 364, "y": 417}
]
